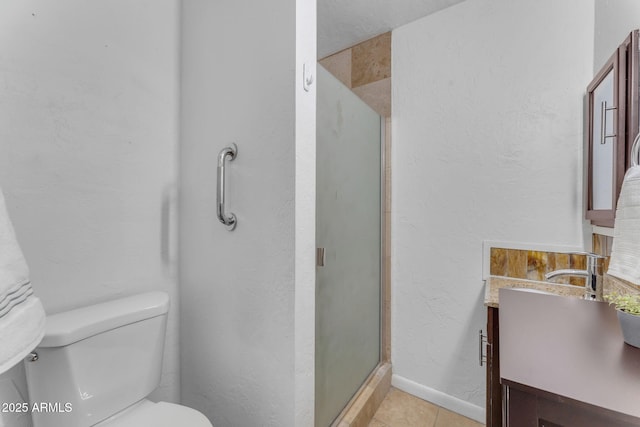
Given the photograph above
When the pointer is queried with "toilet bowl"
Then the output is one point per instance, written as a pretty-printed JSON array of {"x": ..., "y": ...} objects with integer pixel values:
[{"x": 97, "y": 365}]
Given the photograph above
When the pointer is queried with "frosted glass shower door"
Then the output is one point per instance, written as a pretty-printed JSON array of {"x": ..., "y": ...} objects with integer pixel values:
[{"x": 348, "y": 228}]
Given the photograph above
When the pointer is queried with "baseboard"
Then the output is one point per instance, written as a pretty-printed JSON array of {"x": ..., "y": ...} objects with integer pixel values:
[{"x": 439, "y": 398}]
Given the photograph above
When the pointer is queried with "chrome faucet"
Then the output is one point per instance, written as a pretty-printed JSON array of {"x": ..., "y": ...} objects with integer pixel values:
[{"x": 593, "y": 275}]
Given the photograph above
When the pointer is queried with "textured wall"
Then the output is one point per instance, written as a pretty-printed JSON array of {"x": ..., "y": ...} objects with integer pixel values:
[
  {"x": 247, "y": 295},
  {"x": 88, "y": 136},
  {"x": 345, "y": 23},
  {"x": 487, "y": 131},
  {"x": 614, "y": 20}
]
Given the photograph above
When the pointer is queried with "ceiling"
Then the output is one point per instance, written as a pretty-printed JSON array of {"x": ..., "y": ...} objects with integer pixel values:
[{"x": 344, "y": 23}]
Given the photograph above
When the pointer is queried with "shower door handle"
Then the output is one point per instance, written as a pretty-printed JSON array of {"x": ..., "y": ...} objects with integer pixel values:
[
  {"x": 319, "y": 257},
  {"x": 228, "y": 220}
]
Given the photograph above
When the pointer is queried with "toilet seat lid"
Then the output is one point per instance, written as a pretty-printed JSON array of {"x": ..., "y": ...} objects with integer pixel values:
[{"x": 161, "y": 414}]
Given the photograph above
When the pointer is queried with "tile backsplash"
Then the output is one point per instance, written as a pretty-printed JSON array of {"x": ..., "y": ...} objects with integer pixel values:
[{"x": 533, "y": 265}]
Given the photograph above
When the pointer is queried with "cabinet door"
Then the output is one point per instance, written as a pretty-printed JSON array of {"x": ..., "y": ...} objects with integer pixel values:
[
  {"x": 537, "y": 408},
  {"x": 629, "y": 61},
  {"x": 494, "y": 392},
  {"x": 606, "y": 134},
  {"x": 613, "y": 125},
  {"x": 521, "y": 409}
]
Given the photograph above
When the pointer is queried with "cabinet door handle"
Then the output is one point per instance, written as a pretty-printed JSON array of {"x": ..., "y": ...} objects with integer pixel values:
[
  {"x": 319, "y": 257},
  {"x": 482, "y": 339},
  {"x": 603, "y": 122}
]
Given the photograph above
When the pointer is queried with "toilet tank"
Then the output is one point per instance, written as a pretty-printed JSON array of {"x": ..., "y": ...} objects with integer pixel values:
[{"x": 97, "y": 360}]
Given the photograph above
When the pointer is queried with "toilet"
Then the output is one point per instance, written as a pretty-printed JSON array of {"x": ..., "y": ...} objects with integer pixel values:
[{"x": 96, "y": 366}]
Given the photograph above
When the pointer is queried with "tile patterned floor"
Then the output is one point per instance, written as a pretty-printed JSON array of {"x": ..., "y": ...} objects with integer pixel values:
[{"x": 400, "y": 409}]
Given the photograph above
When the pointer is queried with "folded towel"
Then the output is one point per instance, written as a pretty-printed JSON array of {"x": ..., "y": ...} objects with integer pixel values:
[
  {"x": 625, "y": 252},
  {"x": 22, "y": 317}
]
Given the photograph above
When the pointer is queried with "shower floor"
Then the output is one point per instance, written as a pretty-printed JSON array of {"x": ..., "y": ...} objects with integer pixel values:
[{"x": 400, "y": 409}]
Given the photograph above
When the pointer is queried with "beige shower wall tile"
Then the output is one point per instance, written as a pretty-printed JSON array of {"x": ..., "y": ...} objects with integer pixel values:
[
  {"x": 371, "y": 60},
  {"x": 387, "y": 164},
  {"x": 339, "y": 64},
  {"x": 387, "y": 188},
  {"x": 376, "y": 95},
  {"x": 366, "y": 70},
  {"x": 368, "y": 400},
  {"x": 387, "y": 141}
]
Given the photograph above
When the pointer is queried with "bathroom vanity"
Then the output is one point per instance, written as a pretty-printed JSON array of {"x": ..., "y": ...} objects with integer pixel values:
[
  {"x": 490, "y": 351},
  {"x": 563, "y": 363}
]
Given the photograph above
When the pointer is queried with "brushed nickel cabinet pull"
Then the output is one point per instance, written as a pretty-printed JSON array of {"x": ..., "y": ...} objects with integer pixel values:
[
  {"x": 603, "y": 122},
  {"x": 482, "y": 340}
]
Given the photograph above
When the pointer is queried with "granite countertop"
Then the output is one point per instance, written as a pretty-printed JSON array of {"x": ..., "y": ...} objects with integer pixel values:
[
  {"x": 570, "y": 347},
  {"x": 495, "y": 283}
]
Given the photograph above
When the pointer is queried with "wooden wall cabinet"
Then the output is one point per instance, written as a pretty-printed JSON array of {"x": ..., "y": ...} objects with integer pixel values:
[{"x": 613, "y": 121}]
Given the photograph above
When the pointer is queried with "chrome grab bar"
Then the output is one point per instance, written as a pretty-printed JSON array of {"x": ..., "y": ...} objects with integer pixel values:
[{"x": 228, "y": 220}]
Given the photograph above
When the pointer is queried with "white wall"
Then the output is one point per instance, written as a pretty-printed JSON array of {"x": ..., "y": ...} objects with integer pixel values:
[
  {"x": 88, "y": 143},
  {"x": 487, "y": 144},
  {"x": 614, "y": 20},
  {"x": 247, "y": 295}
]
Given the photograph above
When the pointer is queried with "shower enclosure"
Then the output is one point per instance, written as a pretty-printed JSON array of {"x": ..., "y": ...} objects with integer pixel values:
[{"x": 348, "y": 235}]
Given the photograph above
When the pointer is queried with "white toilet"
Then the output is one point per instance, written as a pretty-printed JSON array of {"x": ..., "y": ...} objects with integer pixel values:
[{"x": 96, "y": 365}]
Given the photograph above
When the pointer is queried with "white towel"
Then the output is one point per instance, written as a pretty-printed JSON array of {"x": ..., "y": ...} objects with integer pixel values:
[
  {"x": 625, "y": 252},
  {"x": 22, "y": 317}
]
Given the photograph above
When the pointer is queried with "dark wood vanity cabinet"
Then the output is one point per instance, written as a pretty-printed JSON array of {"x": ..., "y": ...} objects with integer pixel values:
[
  {"x": 613, "y": 121},
  {"x": 492, "y": 359},
  {"x": 528, "y": 407},
  {"x": 565, "y": 371}
]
